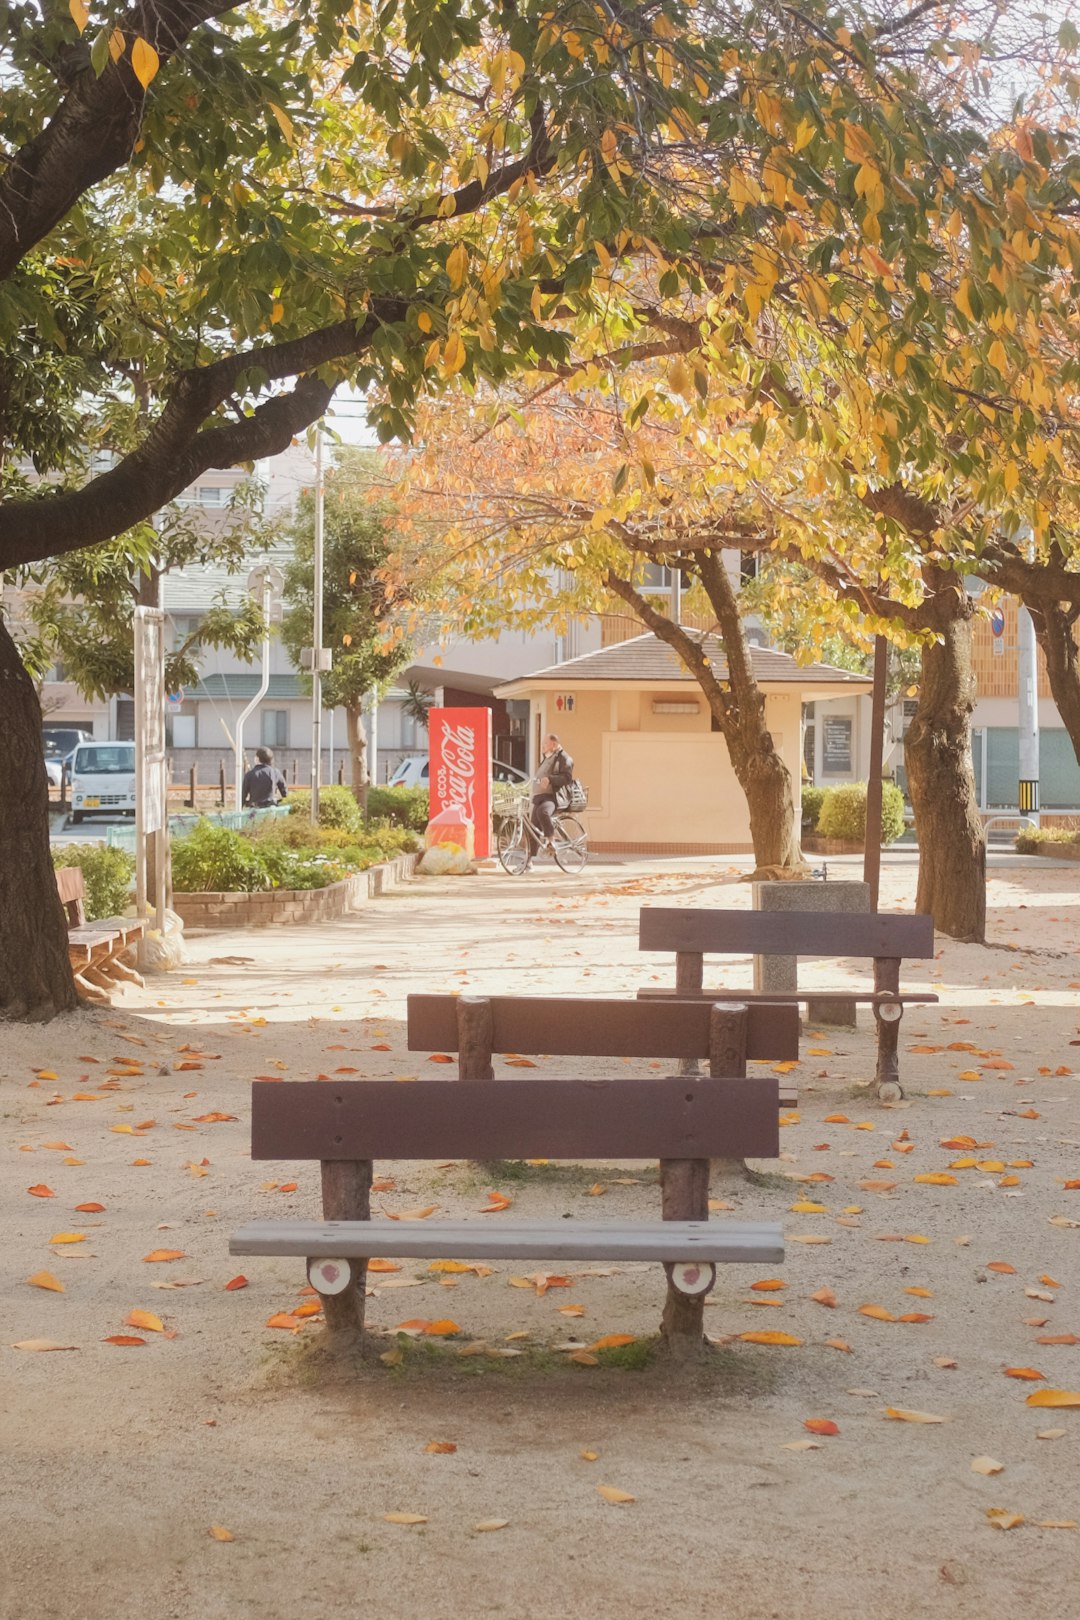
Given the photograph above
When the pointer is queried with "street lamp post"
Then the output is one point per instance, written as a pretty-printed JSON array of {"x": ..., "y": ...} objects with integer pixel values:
[{"x": 317, "y": 632}]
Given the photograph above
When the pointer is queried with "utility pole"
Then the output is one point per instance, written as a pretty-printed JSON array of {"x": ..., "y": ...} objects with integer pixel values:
[
  {"x": 1028, "y": 700},
  {"x": 317, "y": 632}
]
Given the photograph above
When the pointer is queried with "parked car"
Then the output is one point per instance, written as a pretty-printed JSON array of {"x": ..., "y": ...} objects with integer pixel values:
[
  {"x": 413, "y": 772},
  {"x": 54, "y": 770},
  {"x": 60, "y": 740},
  {"x": 102, "y": 779}
]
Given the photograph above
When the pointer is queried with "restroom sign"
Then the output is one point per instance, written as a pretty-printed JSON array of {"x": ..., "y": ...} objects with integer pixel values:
[{"x": 565, "y": 702}]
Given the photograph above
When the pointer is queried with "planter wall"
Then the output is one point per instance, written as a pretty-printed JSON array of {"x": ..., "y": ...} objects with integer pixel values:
[
  {"x": 815, "y": 845},
  {"x": 221, "y": 909},
  {"x": 1057, "y": 852}
]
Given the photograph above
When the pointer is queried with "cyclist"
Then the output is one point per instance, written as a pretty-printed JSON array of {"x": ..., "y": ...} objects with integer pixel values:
[{"x": 555, "y": 771}]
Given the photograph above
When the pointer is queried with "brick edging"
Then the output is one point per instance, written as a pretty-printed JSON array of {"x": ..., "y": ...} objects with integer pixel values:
[
  {"x": 262, "y": 909},
  {"x": 1055, "y": 852}
]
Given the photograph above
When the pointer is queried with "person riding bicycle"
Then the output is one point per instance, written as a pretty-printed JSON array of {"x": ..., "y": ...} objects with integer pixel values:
[{"x": 555, "y": 771}]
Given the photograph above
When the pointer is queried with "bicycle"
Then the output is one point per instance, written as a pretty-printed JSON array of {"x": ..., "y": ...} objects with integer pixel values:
[{"x": 569, "y": 846}]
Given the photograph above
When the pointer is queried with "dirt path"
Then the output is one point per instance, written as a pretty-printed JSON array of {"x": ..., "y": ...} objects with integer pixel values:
[{"x": 117, "y": 1459}]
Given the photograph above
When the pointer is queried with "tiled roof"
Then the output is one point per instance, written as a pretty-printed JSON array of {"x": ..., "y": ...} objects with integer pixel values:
[{"x": 646, "y": 658}]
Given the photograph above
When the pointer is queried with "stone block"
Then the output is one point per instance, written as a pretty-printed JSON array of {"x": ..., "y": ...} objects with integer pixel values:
[{"x": 782, "y": 972}]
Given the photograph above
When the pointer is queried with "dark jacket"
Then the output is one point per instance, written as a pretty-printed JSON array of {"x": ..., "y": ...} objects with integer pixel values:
[
  {"x": 560, "y": 773},
  {"x": 263, "y": 785}
]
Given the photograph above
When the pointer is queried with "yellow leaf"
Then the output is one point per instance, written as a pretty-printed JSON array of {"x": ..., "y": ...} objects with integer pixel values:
[
  {"x": 405, "y": 1518},
  {"x": 902, "y": 1414},
  {"x": 453, "y": 354},
  {"x": 423, "y": 321},
  {"x": 116, "y": 44},
  {"x": 588, "y": 1456},
  {"x": 144, "y": 61},
  {"x": 987, "y": 1466},
  {"x": 440, "y": 1448},
  {"x": 1054, "y": 1397},
  {"x": 277, "y": 312},
  {"x": 611, "y": 1493},
  {"x": 145, "y": 1320},
  {"x": 769, "y": 1338},
  {"x": 807, "y": 1209},
  {"x": 937, "y": 1178},
  {"x": 80, "y": 16},
  {"x": 612, "y": 1341},
  {"x": 457, "y": 264},
  {"x": 45, "y": 1279},
  {"x": 284, "y": 122},
  {"x": 68, "y": 1237},
  {"x": 219, "y": 1533},
  {"x": 491, "y": 1524},
  {"x": 1002, "y": 1520}
]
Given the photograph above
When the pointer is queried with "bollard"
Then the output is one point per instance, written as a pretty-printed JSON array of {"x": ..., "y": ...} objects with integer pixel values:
[
  {"x": 221, "y": 783},
  {"x": 193, "y": 790}
]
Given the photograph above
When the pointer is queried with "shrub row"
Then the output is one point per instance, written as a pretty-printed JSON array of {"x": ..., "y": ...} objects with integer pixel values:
[
  {"x": 107, "y": 873},
  {"x": 286, "y": 853},
  {"x": 840, "y": 812},
  {"x": 1030, "y": 839}
]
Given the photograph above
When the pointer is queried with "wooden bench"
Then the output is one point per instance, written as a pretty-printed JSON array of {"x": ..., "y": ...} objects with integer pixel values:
[
  {"x": 95, "y": 948},
  {"x": 682, "y": 1121},
  {"x": 885, "y": 938}
]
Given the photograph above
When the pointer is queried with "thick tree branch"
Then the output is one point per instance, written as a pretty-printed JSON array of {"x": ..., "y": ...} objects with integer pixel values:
[{"x": 93, "y": 131}]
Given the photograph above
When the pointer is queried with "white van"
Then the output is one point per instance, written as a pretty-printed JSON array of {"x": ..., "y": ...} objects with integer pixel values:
[{"x": 102, "y": 779}]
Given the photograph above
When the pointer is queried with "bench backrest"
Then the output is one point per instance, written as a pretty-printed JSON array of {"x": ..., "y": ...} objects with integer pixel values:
[
  {"x": 71, "y": 887},
  {"x": 660, "y": 1118},
  {"x": 575, "y": 1026},
  {"x": 878, "y": 935}
]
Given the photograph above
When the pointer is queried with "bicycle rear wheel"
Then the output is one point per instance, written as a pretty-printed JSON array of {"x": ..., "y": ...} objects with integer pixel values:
[
  {"x": 513, "y": 848},
  {"x": 570, "y": 846}
]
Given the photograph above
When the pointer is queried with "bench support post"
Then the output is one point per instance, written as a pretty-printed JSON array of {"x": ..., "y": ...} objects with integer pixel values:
[
  {"x": 684, "y": 1191},
  {"x": 887, "y": 1017},
  {"x": 476, "y": 1031},
  {"x": 689, "y": 977},
  {"x": 346, "y": 1196}
]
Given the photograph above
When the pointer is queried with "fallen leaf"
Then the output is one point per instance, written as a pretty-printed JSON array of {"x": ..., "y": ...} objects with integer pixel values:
[
  {"x": 1056, "y": 1524},
  {"x": 283, "y": 1319},
  {"x": 41, "y": 1191},
  {"x": 807, "y": 1209},
  {"x": 163, "y": 1255},
  {"x": 840, "y": 1344},
  {"x": 1058, "y": 1338},
  {"x": 406, "y": 1518},
  {"x": 807, "y": 1237},
  {"x": 146, "y": 1320},
  {"x": 1054, "y": 1397},
  {"x": 611, "y": 1493},
  {"x": 987, "y": 1466},
  {"x": 611, "y": 1341},
  {"x": 1051, "y": 1434},
  {"x": 440, "y": 1448},
  {"x": 1003, "y": 1266},
  {"x": 234, "y": 1283},
  {"x": 392, "y": 1358},
  {"x": 824, "y": 1296},
  {"x": 68, "y": 1237},
  {"x": 1029, "y": 1373},
  {"x": 45, "y": 1279},
  {"x": 219, "y": 1533},
  {"x": 386, "y": 1265},
  {"x": 89, "y": 1209},
  {"x": 902, "y": 1414},
  {"x": 123, "y": 1338},
  {"x": 584, "y": 1358},
  {"x": 937, "y": 1178},
  {"x": 768, "y": 1286},
  {"x": 493, "y": 1524},
  {"x": 41, "y": 1344},
  {"x": 768, "y": 1338},
  {"x": 496, "y": 1201},
  {"x": 877, "y": 1312},
  {"x": 588, "y": 1456},
  {"x": 803, "y": 1445},
  {"x": 441, "y": 1329},
  {"x": 820, "y": 1426},
  {"x": 999, "y": 1519}
]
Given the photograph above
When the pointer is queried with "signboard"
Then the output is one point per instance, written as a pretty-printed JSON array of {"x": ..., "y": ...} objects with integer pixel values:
[
  {"x": 997, "y": 621},
  {"x": 565, "y": 702},
  {"x": 459, "y": 775},
  {"x": 150, "y": 717},
  {"x": 175, "y": 699},
  {"x": 836, "y": 745}
]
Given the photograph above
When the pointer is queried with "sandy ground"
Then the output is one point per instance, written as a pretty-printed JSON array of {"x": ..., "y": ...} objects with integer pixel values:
[{"x": 118, "y": 1459}]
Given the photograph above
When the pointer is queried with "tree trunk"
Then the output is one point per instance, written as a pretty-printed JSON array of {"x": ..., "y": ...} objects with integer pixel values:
[
  {"x": 1055, "y": 631},
  {"x": 738, "y": 707},
  {"x": 35, "y": 975},
  {"x": 941, "y": 778},
  {"x": 354, "y": 722}
]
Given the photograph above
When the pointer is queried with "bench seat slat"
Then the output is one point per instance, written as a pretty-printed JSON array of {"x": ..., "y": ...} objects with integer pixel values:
[
  {"x": 786, "y": 933},
  {"x": 786, "y": 997},
  {"x": 572, "y": 1026},
  {"x": 721, "y": 1241},
  {"x": 658, "y": 1118}
]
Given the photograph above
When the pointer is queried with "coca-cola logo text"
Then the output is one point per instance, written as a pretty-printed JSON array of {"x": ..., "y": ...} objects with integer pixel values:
[{"x": 456, "y": 777}]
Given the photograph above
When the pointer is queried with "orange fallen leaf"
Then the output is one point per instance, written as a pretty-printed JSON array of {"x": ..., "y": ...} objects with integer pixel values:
[
  {"x": 161, "y": 1255},
  {"x": 804, "y": 1208},
  {"x": 878, "y": 1312},
  {"x": 840, "y": 1344},
  {"x": 936, "y": 1178},
  {"x": 768, "y": 1338},
  {"x": 612, "y": 1341},
  {"x": 440, "y": 1448},
  {"x": 998, "y": 1518},
  {"x": 1058, "y": 1338},
  {"x": 1049, "y": 1282},
  {"x": 821, "y": 1426},
  {"x": 89, "y": 1209},
  {"x": 837, "y": 1119},
  {"x": 123, "y": 1338},
  {"x": 768, "y": 1285},
  {"x": 584, "y": 1358},
  {"x": 440, "y": 1057},
  {"x": 234, "y": 1283},
  {"x": 146, "y": 1320},
  {"x": 496, "y": 1201},
  {"x": 611, "y": 1493},
  {"x": 1024, "y": 1372},
  {"x": 824, "y": 1296},
  {"x": 589, "y": 1456},
  {"x": 1054, "y": 1397},
  {"x": 878, "y": 1186},
  {"x": 219, "y": 1533},
  {"x": 45, "y": 1279},
  {"x": 213, "y": 1118},
  {"x": 383, "y": 1265},
  {"x": 283, "y": 1319},
  {"x": 441, "y": 1329},
  {"x": 41, "y": 1191},
  {"x": 920, "y": 1293}
]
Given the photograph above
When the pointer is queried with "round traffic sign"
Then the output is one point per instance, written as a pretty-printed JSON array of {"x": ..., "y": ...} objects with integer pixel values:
[{"x": 997, "y": 621}]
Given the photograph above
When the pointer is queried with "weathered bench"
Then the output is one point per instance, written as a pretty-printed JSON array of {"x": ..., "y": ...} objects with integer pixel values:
[
  {"x": 95, "y": 948},
  {"x": 683, "y": 1122},
  {"x": 885, "y": 938}
]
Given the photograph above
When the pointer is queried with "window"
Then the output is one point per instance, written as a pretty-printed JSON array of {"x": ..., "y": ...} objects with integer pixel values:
[
  {"x": 275, "y": 728},
  {"x": 655, "y": 577}
]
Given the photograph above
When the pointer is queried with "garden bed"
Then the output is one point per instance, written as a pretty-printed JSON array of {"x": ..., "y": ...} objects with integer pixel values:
[{"x": 263, "y": 908}]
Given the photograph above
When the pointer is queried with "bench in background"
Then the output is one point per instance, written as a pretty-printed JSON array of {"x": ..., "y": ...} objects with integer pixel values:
[
  {"x": 95, "y": 948},
  {"x": 682, "y": 1121},
  {"x": 884, "y": 938}
]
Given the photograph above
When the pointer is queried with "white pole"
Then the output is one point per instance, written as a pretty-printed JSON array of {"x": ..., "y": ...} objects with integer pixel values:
[
  {"x": 1028, "y": 699},
  {"x": 373, "y": 741},
  {"x": 264, "y": 685},
  {"x": 317, "y": 633},
  {"x": 330, "y": 767}
]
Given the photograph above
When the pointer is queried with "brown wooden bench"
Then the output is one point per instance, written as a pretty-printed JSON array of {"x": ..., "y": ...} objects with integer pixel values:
[
  {"x": 95, "y": 948},
  {"x": 885, "y": 938},
  {"x": 682, "y": 1121}
]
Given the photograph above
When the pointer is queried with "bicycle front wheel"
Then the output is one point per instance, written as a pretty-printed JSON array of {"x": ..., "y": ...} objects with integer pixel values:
[
  {"x": 570, "y": 846},
  {"x": 512, "y": 847}
]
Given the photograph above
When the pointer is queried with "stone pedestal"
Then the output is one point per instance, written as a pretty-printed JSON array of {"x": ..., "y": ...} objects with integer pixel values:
[{"x": 782, "y": 972}]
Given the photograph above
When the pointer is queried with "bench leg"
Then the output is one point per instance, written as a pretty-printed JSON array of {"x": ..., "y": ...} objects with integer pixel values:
[
  {"x": 685, "y": 1194},
  {"x": 346, "y": 1196},
  {"x": 689, "y": 978},
  {"x": 126, "y": 975},
  {"x": 91, "y": 992},
  {"x": 887, "y": 1016}
]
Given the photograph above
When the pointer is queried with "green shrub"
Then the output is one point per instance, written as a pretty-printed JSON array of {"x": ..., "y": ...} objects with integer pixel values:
[
  {"x": 108, "y": 874},
  {"x": 843, "y": 813},
  {"x": 337, "y": 807},
  {"x": 1029, "y": 839},
  {"x": 404, "y": 807},
  {"x": 812, "y": 800},
  {"x": 216, "y": 858}
]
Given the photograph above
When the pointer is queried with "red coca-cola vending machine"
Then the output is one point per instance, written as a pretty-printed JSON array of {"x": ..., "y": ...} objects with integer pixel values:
[{"x": 459, "y": 777}]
